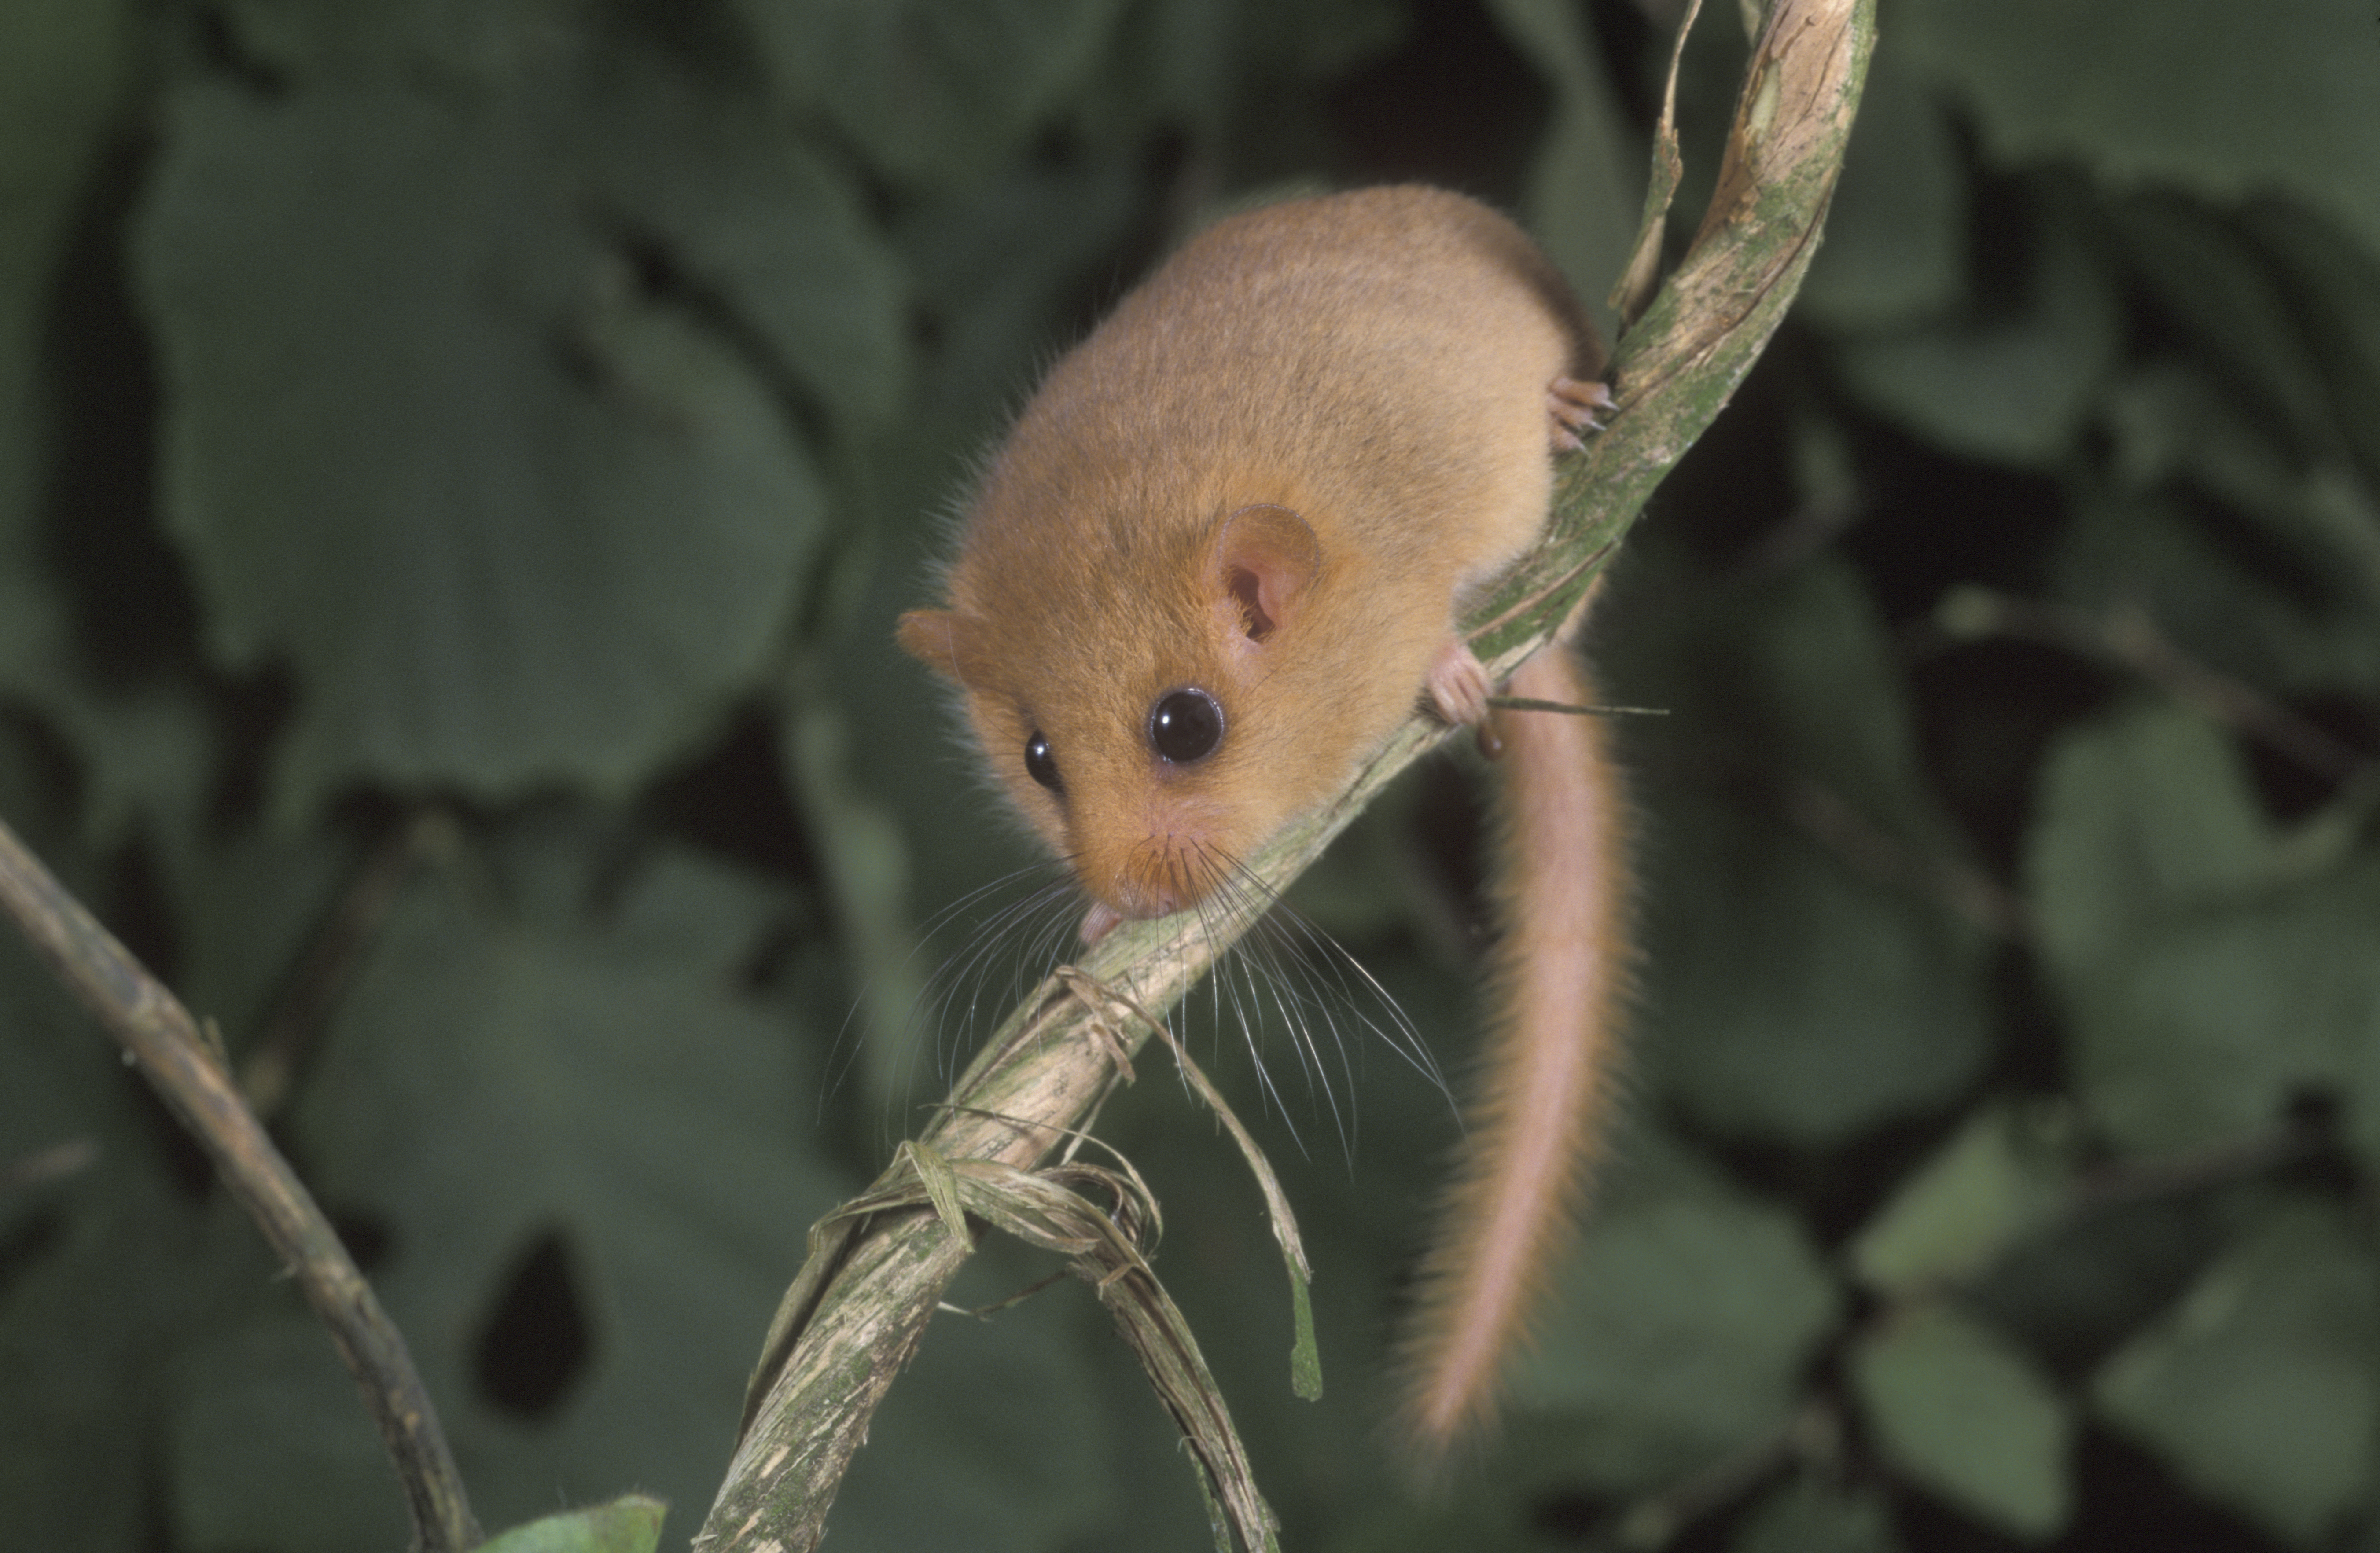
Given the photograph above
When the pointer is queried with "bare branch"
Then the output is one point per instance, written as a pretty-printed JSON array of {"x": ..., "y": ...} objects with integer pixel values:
[{"x": 164, "y": 1042}]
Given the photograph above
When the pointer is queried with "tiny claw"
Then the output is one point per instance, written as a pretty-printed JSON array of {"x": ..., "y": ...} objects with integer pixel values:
[{"x": 1574, "y": 405}]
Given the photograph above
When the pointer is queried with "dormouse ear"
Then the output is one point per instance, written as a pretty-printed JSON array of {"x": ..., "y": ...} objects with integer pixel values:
[
  {"x": 1266, "y": 563},
  {"x": 936, "y": 638}
]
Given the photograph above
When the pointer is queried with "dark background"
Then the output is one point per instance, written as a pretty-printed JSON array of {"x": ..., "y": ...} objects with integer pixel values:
[{"x": 459, "y": 463}]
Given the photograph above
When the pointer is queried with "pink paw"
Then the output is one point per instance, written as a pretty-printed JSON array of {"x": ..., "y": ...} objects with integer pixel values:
[
  {"x": 1099, "y": 922},
  {"x": 1458, "y": 684},
  {"x": 1574, "y": 405}
]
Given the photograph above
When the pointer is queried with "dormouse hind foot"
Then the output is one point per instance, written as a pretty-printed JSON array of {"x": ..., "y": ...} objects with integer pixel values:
[
  {"x": 1574, "y": 405},
  {"x": 1458, "y": 684}
]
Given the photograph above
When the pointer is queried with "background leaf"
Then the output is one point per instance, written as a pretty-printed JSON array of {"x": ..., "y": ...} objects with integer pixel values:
[
  {"x": 1810, "y": 1517},
  {"x": 569, "y": 522},
  {"x": 2259, "y": 1385},
  {"x": 533, "y": 1103},
  {"x": 1801, "y": 993},
  {"x": 2208, "y": 985},
  {"x": 2015, "y": 379},
  {"x": 460, "y": 463},
  {"x": 1999, "y": 1179},
  {"x": 1689, "y": 1313},
  {"x": 62, "y": 69},
  {"x": 929, "y": 92},
  {"x": 1963, "y": 1414},
  {"x": 2212, "y": 99}
]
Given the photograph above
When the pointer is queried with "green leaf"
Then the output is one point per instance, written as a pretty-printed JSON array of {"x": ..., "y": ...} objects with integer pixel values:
[
  {"x": 2000, "y": 1177},
  {"x": 1477, "y": 1522},
  {"x": 2170, "y": 423},
  {"x": 2226, "y": 101},
  {"x": 2012, "y": 384},
  {"x": 267, "y": 1402},
  {"x": 2334, "y": 281},
  {"x": 1305, "y": 1352},
  {"x": 762, "y": 228},
  {"x": 61, "y": 71},
  {"x": 2141, "y": 813},
  {"x": 2258, "y": 425},
  {"x": 769, "y": 229},
  {"x": 64, "y": 68},
  {"x": 1811, "y": 1516},
  {"x": 2258, "y": 1389},
  {"x": 1687, "y": 1316},
  {"x": 2207, "y": 985},
  {"x": 1586, "y": 185},
  {"x": 499, "y": 1085},
  {"x": 931, "y": 90},
  {"x": 148, "y": 755},
  {"x": 324, "y": 42},
  {"x": 631, "y": 1524},
  {"x": 250, "y": 906},
  {"x": 2250, "y": 615},
  {"x": 85, "y": 1333},
  {"x": 1896, "y": 237},
  {"x": 512, "y": 518},
  {"x": 2211, "y": 1029},
  {"x": 1797, "y": 1002},
  {"x": 1821, "y": 663},
  {"x": 996, "y": 265},
  {"x": 2213, "y": 279},
  {"x": 86, "y": 1325},
  {"x": 1324, "y": 41},
  {"x": 1967, "y": 1416},
  {"x": 865, "y": 857},
  {"x": 1803, "y": 991}
]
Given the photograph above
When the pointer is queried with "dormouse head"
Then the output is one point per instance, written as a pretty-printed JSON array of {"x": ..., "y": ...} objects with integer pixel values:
[{"x": 1122, "y": 699}]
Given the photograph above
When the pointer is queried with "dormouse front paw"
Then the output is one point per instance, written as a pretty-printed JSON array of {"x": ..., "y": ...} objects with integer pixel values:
[{"x": 1574, "y": 406}]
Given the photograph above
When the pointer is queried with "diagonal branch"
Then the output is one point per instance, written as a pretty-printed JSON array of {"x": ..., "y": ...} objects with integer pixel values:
[
  {"x": 861, "y": 1305},
  {"x": 160, "y": 1036}
]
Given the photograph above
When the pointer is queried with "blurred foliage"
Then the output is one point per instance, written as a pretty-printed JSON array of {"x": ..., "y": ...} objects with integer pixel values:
[{"x": 460, "y": 462}]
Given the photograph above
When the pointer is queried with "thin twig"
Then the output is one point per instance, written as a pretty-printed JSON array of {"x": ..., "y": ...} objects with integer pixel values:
[
  {"x": 2133, "y": 1182},
  {"x": 1826, "y": 818},
  {"x": 2129, "y": 637},
  {"x": 1813, "y": 1432},
  {"x": 59, "y": 1162},
  {"x": 1531, "y": 703},
  {"x": 280, "y": 1052},
  {"x": 162, "y": 1038}
]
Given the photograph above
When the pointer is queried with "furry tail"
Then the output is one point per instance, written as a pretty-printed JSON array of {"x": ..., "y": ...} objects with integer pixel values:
[{"x": 1546, "y": 1077}]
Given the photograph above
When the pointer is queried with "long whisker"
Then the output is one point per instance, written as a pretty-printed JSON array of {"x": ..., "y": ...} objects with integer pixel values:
[
  {"x": 843, "y": 1053},
  {"x": 1318, "y": 950},
  {"x": 949, "y": 1013}
]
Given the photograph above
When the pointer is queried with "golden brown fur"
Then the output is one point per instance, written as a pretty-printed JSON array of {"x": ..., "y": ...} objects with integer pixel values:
[
  {"x": 1546, "y": 1060},
  {"x": 1276, "y": 474},
  {"x": 1376, "y": 362}
]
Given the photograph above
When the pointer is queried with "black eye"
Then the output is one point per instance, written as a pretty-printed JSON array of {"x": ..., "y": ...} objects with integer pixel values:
[
  {"x": 1039, "y": 764},
  {"x": 1186, "y": 726}
]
